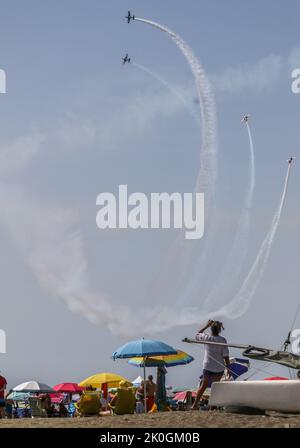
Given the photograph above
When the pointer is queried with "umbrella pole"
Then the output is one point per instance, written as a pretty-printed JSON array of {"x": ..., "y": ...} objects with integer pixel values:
[{"x": 145, "y": 391}]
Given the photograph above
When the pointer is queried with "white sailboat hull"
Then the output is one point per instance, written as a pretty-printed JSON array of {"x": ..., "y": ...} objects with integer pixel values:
[{"x": 281, "y": 396}]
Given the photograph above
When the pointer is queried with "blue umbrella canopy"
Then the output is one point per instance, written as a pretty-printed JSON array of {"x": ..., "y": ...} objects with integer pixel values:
[{"x": 143, "y": 348}]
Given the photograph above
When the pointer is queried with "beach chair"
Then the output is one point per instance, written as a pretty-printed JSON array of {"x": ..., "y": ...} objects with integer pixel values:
[
  {"x": 125, "y": 403},
  {"x": 71, "y": 409},
  {"x": 89, "y": 404},
  {"x": 36, "y": 408}
]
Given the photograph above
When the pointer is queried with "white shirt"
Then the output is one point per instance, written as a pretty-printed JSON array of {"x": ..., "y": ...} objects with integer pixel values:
[{"x": 213, "y": 354}]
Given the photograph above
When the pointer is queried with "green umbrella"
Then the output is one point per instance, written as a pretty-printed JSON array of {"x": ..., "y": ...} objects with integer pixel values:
[{"x": 18, "y": 396}]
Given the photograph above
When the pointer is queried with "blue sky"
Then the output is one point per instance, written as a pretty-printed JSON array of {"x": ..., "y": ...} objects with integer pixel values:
[{"x": 75, "y": 122}]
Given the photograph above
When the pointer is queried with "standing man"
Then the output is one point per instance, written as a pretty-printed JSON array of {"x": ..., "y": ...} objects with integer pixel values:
[
  {"x": 216, "y": 357},
  {"x": 150, "y": 391},
  {"x": 3, "y": 384}
]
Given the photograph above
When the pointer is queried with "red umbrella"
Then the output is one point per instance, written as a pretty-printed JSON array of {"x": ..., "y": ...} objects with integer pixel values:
[
  {"x": 180, "y": 396},
  {"x": 275, "y": 378},
  {"x": 69, "y": 388},
  {"x": 57, "y": 398}
]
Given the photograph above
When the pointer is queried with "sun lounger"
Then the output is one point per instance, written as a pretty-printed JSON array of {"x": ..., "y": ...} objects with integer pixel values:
[
  {"x": 71, "y": 409},
  {"x": 89, "y": 404},
  {"x": 36, "y": 408},
  {"x": 125, "y": 403}
]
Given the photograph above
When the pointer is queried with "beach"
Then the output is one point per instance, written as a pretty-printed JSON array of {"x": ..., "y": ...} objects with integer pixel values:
[{"x": 187, "y": 419}]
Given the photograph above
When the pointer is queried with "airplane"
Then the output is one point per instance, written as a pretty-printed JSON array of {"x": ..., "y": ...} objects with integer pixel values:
[
  {"x": 129, "y": 17},
  {"x": 245, "y": 118},
  {"x": 291, "y": 160},
  {"x": 126, "y": 59}
]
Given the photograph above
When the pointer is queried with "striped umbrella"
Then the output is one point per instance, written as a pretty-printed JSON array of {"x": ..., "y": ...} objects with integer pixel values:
[
  {"x": 144, "y": 348},
  {"x": 178, "y": 359}
]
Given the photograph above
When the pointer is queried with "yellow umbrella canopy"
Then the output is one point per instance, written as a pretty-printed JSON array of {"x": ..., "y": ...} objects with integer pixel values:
[{"x": 96, "y": 381}]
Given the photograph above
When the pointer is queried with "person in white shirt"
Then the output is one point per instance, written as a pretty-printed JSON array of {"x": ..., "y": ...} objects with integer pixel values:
[{"x": 216, "y": 357}]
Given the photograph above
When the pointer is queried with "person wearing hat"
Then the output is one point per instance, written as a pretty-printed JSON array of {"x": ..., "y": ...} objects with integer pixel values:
[{"x": 216, "y": 357}]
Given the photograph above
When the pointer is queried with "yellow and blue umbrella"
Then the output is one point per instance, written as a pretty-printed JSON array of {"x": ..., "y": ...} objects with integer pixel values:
[
  {"x": 178, "y": 359},
  {"x": 143, "y": 348}
]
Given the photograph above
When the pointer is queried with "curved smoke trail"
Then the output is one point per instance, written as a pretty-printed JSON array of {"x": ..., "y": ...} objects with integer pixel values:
[
  {"x": 57, "y": 257},
  {"x": 242, "y": 300},
  {"x": 179, "y": 256},
  {"x": 237, "y": 255},
  {"x": 240, "y": 303},
  {"x": 208, "y": 173},
  {"x": 54, "y": 249},
  {"x": 171, "y": 88}
]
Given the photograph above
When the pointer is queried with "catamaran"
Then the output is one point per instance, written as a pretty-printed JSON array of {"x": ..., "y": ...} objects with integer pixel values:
[{"x": 278, "y": 395}]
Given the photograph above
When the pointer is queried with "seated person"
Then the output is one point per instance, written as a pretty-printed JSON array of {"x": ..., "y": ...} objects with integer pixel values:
[
  {"x": 62, "y": 410},
  {"x": 88, "y": 404},
  {"x": 124, "y": 400},
  {"x": 139, "y": 406},
  {"x": 9, "y": 407},
  {"x": 46, "y": 404}
]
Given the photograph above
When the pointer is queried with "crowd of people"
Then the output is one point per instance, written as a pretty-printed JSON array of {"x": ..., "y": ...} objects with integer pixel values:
[
  {"x": 145, "y": 395},
  {"x": 143, "y": 398},
  {"x": 216, "y": 359},
  {"x": 105, "y": 401}
]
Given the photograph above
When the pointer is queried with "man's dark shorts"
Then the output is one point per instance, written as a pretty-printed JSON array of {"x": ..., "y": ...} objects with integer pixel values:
[{"x": 210, "y": 374}]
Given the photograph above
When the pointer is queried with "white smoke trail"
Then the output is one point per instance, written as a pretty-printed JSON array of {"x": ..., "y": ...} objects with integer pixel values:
[
  {"x": 179, "y": 256},
  {"x": 237, "y": 255},
  {"x": 208, "y": 173},
  {"x": 49, "y": 239},
  {"x": 171, "y": 88},
  {"x": 54, "y": 249},
  {"x": 240, "y": 303},
  {"x": 242, "y": 300}
]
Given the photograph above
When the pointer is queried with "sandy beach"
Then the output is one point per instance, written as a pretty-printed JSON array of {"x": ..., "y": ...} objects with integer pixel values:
[{"x": 188, "y": 419}]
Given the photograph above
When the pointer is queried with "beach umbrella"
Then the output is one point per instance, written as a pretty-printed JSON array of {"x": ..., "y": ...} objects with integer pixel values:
[
  {"x": 180, "y": 358},
  {"x": 176, "y": 390},
  {"x": 69, "y": 388},
  {"x": 18, "y": 396},
  {"x": 57, "y": 398},
  {"x": 181, "y": 396},
  {"x": 33, "y": 386},
  {"x": 143, "y": 348},
  {"x": 97, "y": 380},
  {"x": 238, "y": 366}
]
